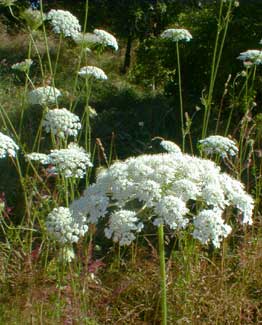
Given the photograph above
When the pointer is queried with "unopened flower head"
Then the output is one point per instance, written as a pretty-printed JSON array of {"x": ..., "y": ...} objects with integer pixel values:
[
  {"x": 177, "y": 35},
  {"x": 23, "y": 66},
  {"x": 7, "y": 146},
  {"x": 251, "y": 57},
  {"x": 94, "y": 72},
  {"x": 34, "y": 18},
  {"x": 64, "y": 227},
  {"x": 106, "y": 39},
  {"x": 163, "y": 188},
  {"x": 70, "y": 162},
  {"x": 43, "y": 95},
  {"x": 61, "y": 123},
  {"x": 7, "y": 3},
  {"x": 217, "y": 144},
  {"x": 63, "y": 22}
]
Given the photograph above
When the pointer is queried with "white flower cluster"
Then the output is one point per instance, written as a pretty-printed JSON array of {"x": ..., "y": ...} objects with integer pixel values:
[
  {"x": 106, "y": 39},
  {"x": 91, "y": 71},
  {"x": 99, "y": 36},
  {"x": 216, "y": 144},
  {"x": 86, "y": 39},
  {"x": 121, "y": 225},
  {"x": 177, "y": 35},
  {"x": 23, "y": 66},
  {"x": 63, "y": 22},
  {"x": 70, "y": 162},
  {"x": 251, "y": 56},
  {"x": 40, "y": 157},
  {"x": 64, "y": 227},
  {"x": 43, "y": 95},
  {"x": 170, "y": 146},
  {"x": 61, "y": 122},
  {"x": 209, "y": 225},
  {"x": 164, "y": 186},
  {"x": 7, "y": 146}
]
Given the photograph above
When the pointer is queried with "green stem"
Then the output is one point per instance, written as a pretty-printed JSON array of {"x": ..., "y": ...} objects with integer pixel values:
[
  {"x": 80, "y": 59},
  {"x": 215, "y": 65},
  {"x": 180, "y": 97},
  {"x": 161, "y": 244}
]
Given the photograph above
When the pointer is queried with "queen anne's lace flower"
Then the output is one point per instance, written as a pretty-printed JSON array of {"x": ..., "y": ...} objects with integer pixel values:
[
  {"x": 251, "y": 56},
  {"x": 209, "y": 226},
  {"x": 7, "y": 146},
  {"x": 40, "y": 157},
  {"x": 106, "y": 39},
  {"x": 62, "y": 123},
  {"x": 177, "y": 35},
  {"x": 43, "y": 95},
  {"x": 23, "y": 66},
  {"x": 121, "y": 226},
  {"x": 91, "y": 71},
  {"x": 164, "y": 187},
  {"x": 64, "y": 227},
  {"x": 70, "y": 162},
  {"x": 170, "y": 146},
  {"x": 171, "y": 211},
  {"x": 217, "y": 144},
  {"x": 63, "y": 22}
]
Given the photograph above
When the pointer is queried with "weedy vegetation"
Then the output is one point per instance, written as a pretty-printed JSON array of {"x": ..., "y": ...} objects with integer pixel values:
[{"x": 127, "y": 195}]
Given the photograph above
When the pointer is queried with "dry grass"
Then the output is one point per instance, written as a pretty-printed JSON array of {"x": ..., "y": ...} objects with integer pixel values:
[{"x": 221, "y": 288}]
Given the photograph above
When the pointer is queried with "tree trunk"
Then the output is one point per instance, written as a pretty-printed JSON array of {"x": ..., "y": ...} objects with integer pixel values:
[{"x": 127, "y": 60}]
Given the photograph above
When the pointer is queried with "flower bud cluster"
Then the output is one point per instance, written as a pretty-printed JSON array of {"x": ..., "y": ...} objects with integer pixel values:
[{"x": 61, "y": 123}]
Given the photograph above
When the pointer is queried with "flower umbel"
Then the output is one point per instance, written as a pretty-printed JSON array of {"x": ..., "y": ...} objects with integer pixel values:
[
  {"x": 62, "y": 123},
  {"x": 91, "y": 71},
  {"x": 23, "y": 66},
  {"x": 217, "y": 144},
  {"x": 251, "y": 56},
  {"x": 106, "y": 39},
  {"x": 7, "y": 146},
  {"x": 176, "y": 35},
  {"x": 164, "y": 188},
  {"x": 43, "y": 95},
  {"x": 63, "y": 22},
  {"x": 64, "y": 227}
]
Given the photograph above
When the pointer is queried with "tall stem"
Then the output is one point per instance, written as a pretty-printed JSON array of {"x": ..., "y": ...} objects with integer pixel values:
[
  {"x": 180, "y": 97},
  {"x": 161, "y": 244}
]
